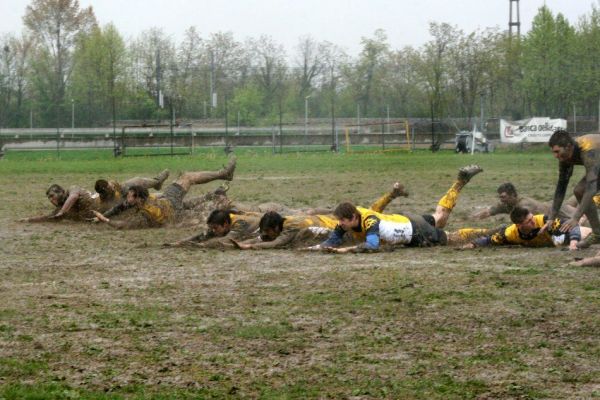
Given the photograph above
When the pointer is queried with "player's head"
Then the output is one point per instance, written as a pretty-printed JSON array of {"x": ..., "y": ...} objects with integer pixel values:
[
  {"x": 562, "y": 145},
  {"x": 521, "y": 217},
  {"x": 104, "y": 189},
  {"x": 270, "y": 226},
  {"x": 507, "y": 193},
  {"x": 56, "y": 194},
  {"x": 137, "y": 195},
  {"x": 219, "y": 222},
  {"x": 348, "y": 215}
]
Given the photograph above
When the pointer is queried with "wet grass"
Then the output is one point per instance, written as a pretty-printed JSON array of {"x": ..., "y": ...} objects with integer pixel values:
[{"x": 87, "y": 312}]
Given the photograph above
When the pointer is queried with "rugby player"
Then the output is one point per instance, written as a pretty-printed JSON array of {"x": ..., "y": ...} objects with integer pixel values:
[
  {"x": 78, "y": 204},
  {"x": 277, "y": 231},
  {"x": 509, "y": 199},
  {"x": 373, "y": 228},
  {"x": 112, "y": 192},
  {"x": 223, "y": 226},
  {"x": 157, "y": 211},
  {"x": 584, "y": 150},
  {"x": 74, "y": 204},
  {"x": 533, "y": 231}
]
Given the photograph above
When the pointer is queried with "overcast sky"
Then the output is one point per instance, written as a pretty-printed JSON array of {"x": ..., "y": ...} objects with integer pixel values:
[{"x": 342, "y": 22}]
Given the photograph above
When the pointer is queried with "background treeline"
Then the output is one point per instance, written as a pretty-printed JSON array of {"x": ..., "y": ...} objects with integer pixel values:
[{"x": 65, "y": 60}]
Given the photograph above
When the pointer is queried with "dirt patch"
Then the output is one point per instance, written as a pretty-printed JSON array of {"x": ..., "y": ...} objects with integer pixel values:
[{"x": 106, "y": 310}]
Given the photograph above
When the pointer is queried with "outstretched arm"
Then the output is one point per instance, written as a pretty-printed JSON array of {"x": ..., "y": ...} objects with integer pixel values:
[
  {"x": 587, "y": 261},
  {"x": 497, "y": 239},
  {"x": 564, "y": 175},
  {"x": 481, "y": 214},
  {"x": 114, "y": 224},
  {"x": 591, "y": 184},
  {"x": 285, "y": 238},
  {"x": 71, "y": 200},
  {"x": 42, "y": 218},
  {"x": 496, "y": 209},
  {"x": 190, "y": 240},
  {"x": 116, "y": 210}
]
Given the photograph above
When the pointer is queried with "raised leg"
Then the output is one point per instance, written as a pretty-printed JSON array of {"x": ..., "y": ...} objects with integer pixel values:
[
  {"x": 148, "y": 183},
  {"x": 448, "y": 201},
  {"x": 187, "y": 179}
]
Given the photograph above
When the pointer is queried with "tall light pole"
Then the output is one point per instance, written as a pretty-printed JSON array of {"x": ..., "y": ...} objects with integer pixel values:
[
  {"x": 358, "y": 118},
  {"x": 72, "y": 114},
  {"x": 306, "y": 120},
  {"x": 387, "y": 107}
]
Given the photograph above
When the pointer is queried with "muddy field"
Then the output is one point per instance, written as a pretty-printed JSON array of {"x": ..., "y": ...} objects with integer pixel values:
[{"x": 87, "y": 311}]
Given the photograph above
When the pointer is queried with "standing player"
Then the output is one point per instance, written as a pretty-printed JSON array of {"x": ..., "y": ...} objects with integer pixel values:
[{"x": 584, "y": 150}]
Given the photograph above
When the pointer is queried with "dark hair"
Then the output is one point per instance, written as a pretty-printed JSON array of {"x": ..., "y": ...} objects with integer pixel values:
[
  {"x": 219, "y": 217},
  {"x": 271, "y": 220},
  {"x": 103, "y": 189},
  {"x": 561, "y": 138},
  {"x": 508, "y": 188},
  {"x": 346, "y": 210},
  {"x": 55, "y": 189},
  {"x": 139, "y": 192},
  {"x": 518, "y": 215},
  {"x": 59, "y": 192}
]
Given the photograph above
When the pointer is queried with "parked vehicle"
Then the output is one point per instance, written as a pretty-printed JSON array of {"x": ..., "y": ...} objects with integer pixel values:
[{"x": 464, "y": 142}]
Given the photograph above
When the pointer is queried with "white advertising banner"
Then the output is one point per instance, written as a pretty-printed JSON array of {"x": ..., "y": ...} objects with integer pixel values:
[{"x": 538, "y": 129}]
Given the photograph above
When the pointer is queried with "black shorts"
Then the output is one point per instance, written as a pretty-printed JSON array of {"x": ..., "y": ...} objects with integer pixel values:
[
  {"x": 175, "y": 194},
  {"x": 425, "y": 233}
]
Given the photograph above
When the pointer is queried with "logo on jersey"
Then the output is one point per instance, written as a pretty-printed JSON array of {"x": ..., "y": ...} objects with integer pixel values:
[{"x": 370, "y": 222}]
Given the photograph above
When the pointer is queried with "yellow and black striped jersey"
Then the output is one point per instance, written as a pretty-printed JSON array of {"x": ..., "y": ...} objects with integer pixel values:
[
  {"x": 300, "y": 228},
  {"x": 374, "y": 228},
  {"x": 243, "y": 225},
  {"x": 309, "y": 221},
  {"x": 393, "y": 228},
  {"x": 511, "y": 235},
  {"x": 158, "y": 211}
]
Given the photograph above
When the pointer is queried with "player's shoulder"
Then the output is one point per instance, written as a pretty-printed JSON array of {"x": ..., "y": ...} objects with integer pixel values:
[{"x": 370, "y": 221}]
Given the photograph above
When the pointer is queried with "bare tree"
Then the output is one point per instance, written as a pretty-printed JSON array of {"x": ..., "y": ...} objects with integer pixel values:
[
  {"x": 434, "y": 67},
  {"x": 153, "y": 65},
  {"x": 227, "y": 64},
  {"x": 309, "y": 64},
  {"x": 271, "y": 69},
  {"x": 188, "y": 82},
  {"x": 56, "y": 24}
]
